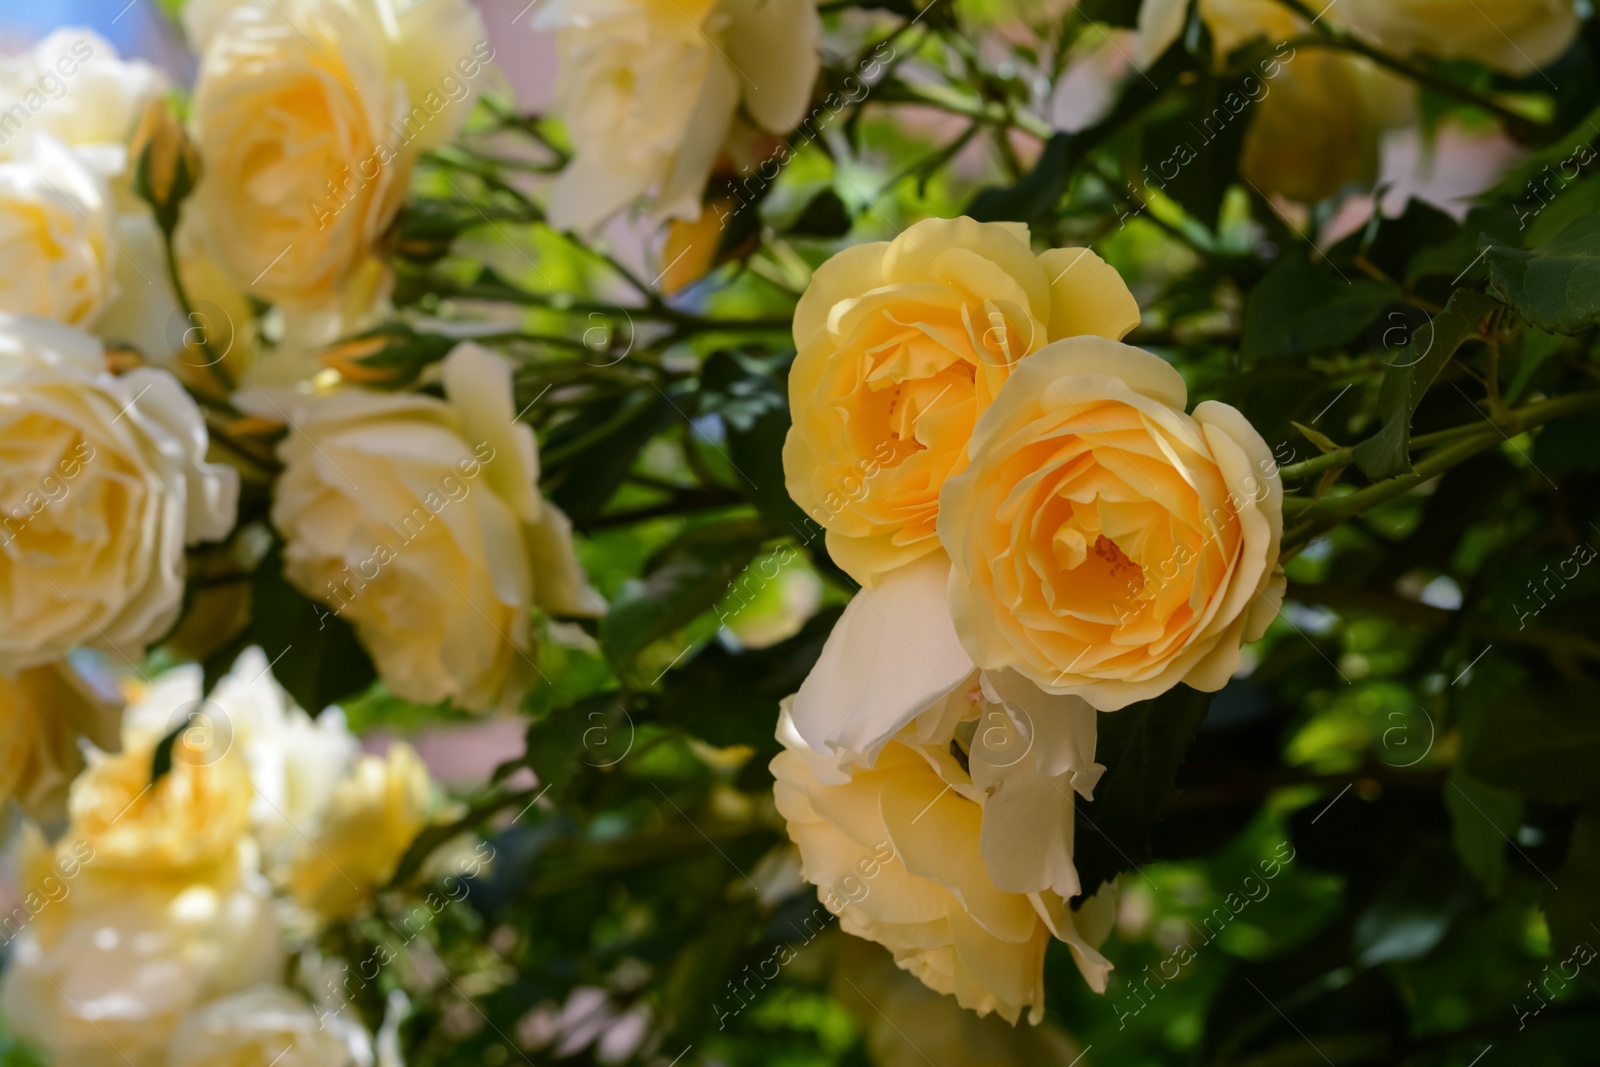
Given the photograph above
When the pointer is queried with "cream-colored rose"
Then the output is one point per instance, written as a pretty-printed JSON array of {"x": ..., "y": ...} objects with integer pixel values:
[
  {"x": 901, "y": 853},
  {"x": 902, "y": 346},
  {"x": 1104, "y": 543},
  {"x": 106, "y": 967},
  {"x": 1514, "y": 36},
  {"x": 650, "y": 91},
  {"x": 55, "y": 255},
  {"x": 104, "y": 483},
  {"x": 906, "y": 1024},
  {"x": 44, "y": 712},
  {"x": 372, "y": 819},
  {"x": 266, "y": 1026},
  {"x": 74, "y": 87},
  {"x": 420, "y": 521},
  {"x": 309, "y": 115},
  {"x": 295, "y": 762}
]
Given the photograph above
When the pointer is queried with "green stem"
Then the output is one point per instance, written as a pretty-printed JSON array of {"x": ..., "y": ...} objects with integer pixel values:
[{"x": 1326, "y": 514}]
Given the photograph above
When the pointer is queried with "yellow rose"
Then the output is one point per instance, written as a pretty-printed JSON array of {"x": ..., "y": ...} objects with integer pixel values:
[
  {"x": 265, "y": 1026},
  {"x": 55, "y": 256},
  {"x": 105, "y": 481},
  {"x": 1514, "y": 36},
  {"x": 1104, "y": 543},
  {"x": 372, "y": 819},
  {"x": 649, "y": 90},
  {"x": 185, "y": 828},
  {"x": 902, "y": 346},
  {"x": 900, "y": 852},
  {"x": 309, "y": 115},
  {"x": 44, "y": 711},
  {"x": 420, "y": 521}
]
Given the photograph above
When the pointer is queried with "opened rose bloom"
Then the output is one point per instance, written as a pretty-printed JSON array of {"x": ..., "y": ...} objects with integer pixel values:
[
  {"x": 104, "y": 482},
  {"x": 902, "y": 346},
  {"x": 1104, "y": 543},
  {"x": 420, "y": 522},
  {"x": 55, "y": 256},
  {"x": 652, "y": 90},
  {"x": 309, "y": 115},
  {"x": 905, "y": 853}
]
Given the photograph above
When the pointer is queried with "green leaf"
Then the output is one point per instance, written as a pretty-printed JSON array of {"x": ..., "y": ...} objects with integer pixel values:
[
  {"x": 1033, "y": 197},
  {"x": 594, "y": 451},
  {"x": 1572, "y": 902},
  {"x": 1387, "y": 454},
  {"x": 825, "y": 216},
  {"x": 1557, "y": 285},
  {"x": 1122, "y": 13},
  {"x": 1142, "y": 747},
  {"x": 314, "y": 652},
  {"x": 1482, "y": 819},
  {"x": 1460, "y": 258},
  {"x": 698, "y": 983},
  {"x": 1302, "y": 307},
  {"x": 731, "y": 697},
  {"x": 684, "y": 580},
  {"x": 1543, "y": 740},
  {"x": 1203, "y": 138}
]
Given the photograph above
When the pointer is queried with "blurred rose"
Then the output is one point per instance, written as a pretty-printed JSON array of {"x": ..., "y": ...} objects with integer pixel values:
[
  {"x": 1514, "y": 36},
  {"x": 74, "y": 87},
  {"x": 266, "y": 1026},
  {"x": 44, "y": 711},
  {"x": 650, "y": 91},
  {"x": 420, "y": 521},
  {"x": 309, "y": 115},
  {"x": 1106, "y": 544},
  {"x": 186, "y": 828},
  {"x": 1317, "y": 127},
  {"x": 902, "y": 346},
  {"x": 372, "y": 819},
  {"x": 901, "y": 852},
  {"x": 295, "y": 762},
  {"x": 107, "y": 967},
  {"x": 905, "y": 1022},
  {"x": 105, "y": 481},
  {"x": 55, "y": 213}
]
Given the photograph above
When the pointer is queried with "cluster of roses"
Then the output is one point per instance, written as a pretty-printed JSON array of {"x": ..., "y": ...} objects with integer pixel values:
[
  {"x": 1040, "y": 468},
  {"x": 153, "y": 931}
]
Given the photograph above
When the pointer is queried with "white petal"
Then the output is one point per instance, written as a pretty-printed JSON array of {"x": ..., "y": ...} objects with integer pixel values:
[{"x": 893, "y": 653}]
